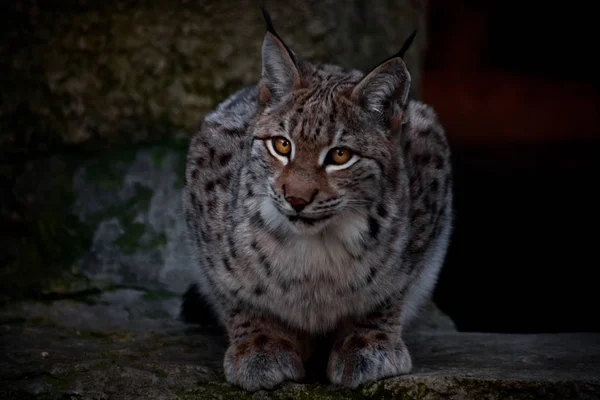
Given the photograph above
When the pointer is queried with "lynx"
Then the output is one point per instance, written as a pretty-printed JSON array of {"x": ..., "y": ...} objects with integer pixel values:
[{"x": 319, "y": 203}]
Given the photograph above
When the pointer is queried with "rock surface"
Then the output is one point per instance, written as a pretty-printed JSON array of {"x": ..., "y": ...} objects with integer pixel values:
[
  {"x": 128, "y": 345},
  {"x": 108, "y": 71}
]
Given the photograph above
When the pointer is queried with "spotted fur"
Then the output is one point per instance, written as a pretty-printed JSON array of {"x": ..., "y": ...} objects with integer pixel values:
[{"x": 364, "y": 251}]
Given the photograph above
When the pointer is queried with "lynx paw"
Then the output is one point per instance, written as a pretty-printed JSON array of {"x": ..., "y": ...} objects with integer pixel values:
[
  {"x": 262, "y": 362},
  {"x": 360, "y": 358}
]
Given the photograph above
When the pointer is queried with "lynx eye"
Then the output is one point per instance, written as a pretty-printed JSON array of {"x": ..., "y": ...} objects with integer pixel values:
[
  {"x": 281, "y": 145},
  {"x": 338, "y": 156}
]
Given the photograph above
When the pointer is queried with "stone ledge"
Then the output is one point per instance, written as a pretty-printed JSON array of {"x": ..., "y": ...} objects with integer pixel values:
[{"x": 47, "y": 359}]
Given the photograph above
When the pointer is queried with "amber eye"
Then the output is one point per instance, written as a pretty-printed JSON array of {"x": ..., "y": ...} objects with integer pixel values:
[
  {"x": 282, "y": 145},
  {"x": 339, "y": 156}
]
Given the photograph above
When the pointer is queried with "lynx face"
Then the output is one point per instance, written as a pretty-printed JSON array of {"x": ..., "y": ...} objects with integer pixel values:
[{"x": 321, "y": 155}]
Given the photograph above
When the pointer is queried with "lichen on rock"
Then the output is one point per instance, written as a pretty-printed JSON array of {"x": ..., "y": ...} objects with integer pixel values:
[{"x": 139, "y": 234}]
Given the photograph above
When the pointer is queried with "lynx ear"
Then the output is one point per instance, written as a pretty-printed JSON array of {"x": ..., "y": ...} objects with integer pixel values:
[
  {"x": 280, "y": 73},
  {"x": 384, "y": 90}
]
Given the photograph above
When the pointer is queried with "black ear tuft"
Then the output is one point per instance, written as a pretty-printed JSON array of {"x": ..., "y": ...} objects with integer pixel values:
[
  {"x": 280, "y": 70},
  {"x": 271, "y": 29},
  {"x": 407, "y": 44},
  {"x": 267, "y": 18}
]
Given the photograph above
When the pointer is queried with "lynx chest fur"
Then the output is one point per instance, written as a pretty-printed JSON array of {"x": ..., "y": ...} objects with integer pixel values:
[{"x": 317, "y": 199}]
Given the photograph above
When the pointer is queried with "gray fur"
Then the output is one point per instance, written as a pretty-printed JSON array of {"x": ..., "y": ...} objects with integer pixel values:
[{"x": 377, "y": 233}]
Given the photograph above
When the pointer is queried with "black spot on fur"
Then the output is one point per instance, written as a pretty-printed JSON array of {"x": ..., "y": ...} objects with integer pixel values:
[
  {"x": 434, "y": 186},
  {"x": 209, "y": 263},
  {"x": 357, "y": 342},
  {"x": 261, "y": 340},
  {"x": 212, "y": 154},
  {"x": 438, "y": 162},
  {"x": 407, "y": 146},
  {"x": 210, "y": 186},
  {"x": 224, "y": 159},
  {"x": 234, "y": 132},
  {"x": 382, "y": 210},
  {"x": 245, "y": 325},
  {"x": 200, "y": 162},
  {"x": 285, "y": 285},
  {"x": 266, "y": 266},
  {"x": 371, "y": 276},
  {"x": 224, "y": 180},
  {"x": 422, "y": 159},
  {"x": 232, "y": 247},
  {"x": 259, "y": 290},
  {"x": 226, "y": 264},
  {"x": 194, "y": 174},
  {"x": 281, "y": 125},
  {"x": 373, "y": 227},
  {"x": 257, "y": 220}
]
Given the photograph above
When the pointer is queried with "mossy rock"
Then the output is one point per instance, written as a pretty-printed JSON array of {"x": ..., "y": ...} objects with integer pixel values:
[
  {"x": 122, "y": 71},
  {"x": 82, "y": 220},
  {"x": 39, "y": 362}
]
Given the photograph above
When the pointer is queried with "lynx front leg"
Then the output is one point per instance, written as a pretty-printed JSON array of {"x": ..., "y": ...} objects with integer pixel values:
[
  {"x": 262, "y": 353},
  {"x": 368, "y": 349}
]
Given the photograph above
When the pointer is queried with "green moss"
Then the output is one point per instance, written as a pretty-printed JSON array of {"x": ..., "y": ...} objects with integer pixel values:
[
  {"x": 59, "y": 385},
  {"x": 129, "y": 241},
  {"x": 158, "y": 240},
  {"x": 105, "y": 178},
  {"x": 225, "y": 391},
  {"x": 43, "y": 241},
  {"x": 127, "y": 212},
  {"x": 158, "y": 156}
]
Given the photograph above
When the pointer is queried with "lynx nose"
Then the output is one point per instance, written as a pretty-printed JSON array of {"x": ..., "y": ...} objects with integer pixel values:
[{"x": 297, "y": 203}]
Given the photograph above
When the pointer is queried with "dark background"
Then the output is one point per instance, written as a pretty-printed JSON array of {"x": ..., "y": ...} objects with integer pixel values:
[{"x": 516, "y": 85}]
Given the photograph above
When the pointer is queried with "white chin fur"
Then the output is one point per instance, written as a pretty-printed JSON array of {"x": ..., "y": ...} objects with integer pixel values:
[{"x": 275, "y": 219}]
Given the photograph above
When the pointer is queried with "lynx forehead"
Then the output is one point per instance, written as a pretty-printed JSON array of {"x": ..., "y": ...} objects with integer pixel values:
[{"x": 318, "y": 201}]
